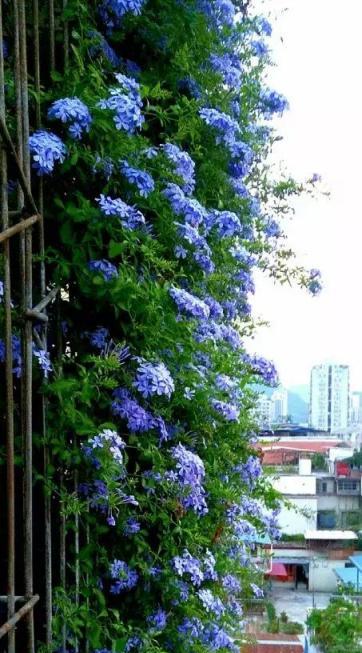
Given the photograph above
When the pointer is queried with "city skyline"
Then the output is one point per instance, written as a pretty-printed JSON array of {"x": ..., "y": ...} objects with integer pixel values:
[{"x": 319, "y": 135}]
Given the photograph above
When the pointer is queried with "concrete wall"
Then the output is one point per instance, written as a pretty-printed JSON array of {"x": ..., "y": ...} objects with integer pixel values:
[
  {"x": 293, "y": 521},
  {"x": 294, "y": 484},
  {"x": 321, "y": 575},
  {"x": 338, "y": 503}
]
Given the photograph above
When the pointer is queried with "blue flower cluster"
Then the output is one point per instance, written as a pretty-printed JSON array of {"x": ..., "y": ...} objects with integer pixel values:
[
  {"x": 189, "y": 304},
  {"x": 105, "y": 268},
  {"x": 124, "y": 577},
  {"x": 153, "y": 379},
  {"x": 231, "y": 584},
  {"x": 190, "y": 476},
  {"x": 157, "y": 620},
  {"x": 314, "y": 283},
  {"x": 230, "y": 412},
  {"x": 106, "y": 440},
  {"x": 46, "y": 149},
  {"x": 131, "y": 527},
  {"x": 16, "y": 354},
  {"x": 130, "y": 217},
  {"x": 229, "y": 67},
  {"x": 112, "y": 11},
  {"x": 271, "y": 102},
  {"x": 141, "y": 179},
  {"x": 73, "y": 112},
  {"x": 139, "y": 420},
  {"x": 125, "y": 102},
  {"x": 263, "y": 368},
  {"x": 211, "y": 603},
  {"x": 250, "y": 471},
  {"x": 227, "y": 128},
  {"x": 184, "y": 165},
  {"x": 221, "y": 13},
  {"x": 43, "y": 360},
  {"x": 102, "y": 46}
]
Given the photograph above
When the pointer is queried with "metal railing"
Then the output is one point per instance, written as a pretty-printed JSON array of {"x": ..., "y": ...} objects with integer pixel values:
[{"x": 26, "y": 298}]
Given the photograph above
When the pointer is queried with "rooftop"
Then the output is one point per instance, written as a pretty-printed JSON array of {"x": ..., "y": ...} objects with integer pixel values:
[
  {"x": 274, "y": 643},
  {"x": 330, "y": 535}
]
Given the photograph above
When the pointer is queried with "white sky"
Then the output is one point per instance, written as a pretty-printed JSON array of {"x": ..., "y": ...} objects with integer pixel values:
[{"x": 319, "y": 69}]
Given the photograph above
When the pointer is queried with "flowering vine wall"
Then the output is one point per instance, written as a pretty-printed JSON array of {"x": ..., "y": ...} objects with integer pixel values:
[{"x": 159, "y": 204}]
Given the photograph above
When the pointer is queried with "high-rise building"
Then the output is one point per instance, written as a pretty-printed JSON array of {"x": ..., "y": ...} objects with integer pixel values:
[
  {"x": 279, "y": 400},
  {"x": 356, "y": 408},
  {"x": 329, "y": 397}
]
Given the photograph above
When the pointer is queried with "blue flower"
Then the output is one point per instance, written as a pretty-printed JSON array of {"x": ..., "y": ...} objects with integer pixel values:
[
  {"x": 139, "y": 178},
  {"x": 231, "y": 584},
  {"x": 211, "y": 603},
  {"x": 190, "y": 476},
  {"x": 221, "y": 13},
  {"x": 73, "y": 112},
  {"x": 314, "y": 283},
  {"x": 263, "y": 368},
  {"x": 43, "y": 360},
  {"x": 112, "y": 11},
  {"x": 187, "y": 564},
  {"x": 99, "y": 338},
  {"x": 124, "y": 577},
  {"x": 189, "y": 304},
  {"x": 229, "y": 411},
  {"x": 46, "y": 149},
  {"x": 259, "y": 48},
  {"x": 105, "y": 268},
  {"x": 229, "y": 66},
  {"x": 158, "y": 620},
  {"x": 131, "y": 527},
  {"x": 264, "y": 26},
  {"x": 183, "y": 164},
  {"x": 154, "y": 379},
  {"x": 130, "y": 217},
  {"x": 258, "y": 593},
  {"x": 271, "y": 102},
  {"x": 125, "y": 102},
  {"x": 138, "y": 419},
  {"x": 192, "y": 627},
  {"x": 101, "y": 45},
  {"x": 106, "y": 440}
]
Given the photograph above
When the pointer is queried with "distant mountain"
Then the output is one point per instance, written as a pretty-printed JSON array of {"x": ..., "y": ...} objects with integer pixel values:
[
  {"x": 298, "y": 403},
  {"x": 301, "y": 390}
]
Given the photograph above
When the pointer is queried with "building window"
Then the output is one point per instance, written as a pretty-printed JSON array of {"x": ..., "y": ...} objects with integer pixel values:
[{"x": 347, "y": 484}]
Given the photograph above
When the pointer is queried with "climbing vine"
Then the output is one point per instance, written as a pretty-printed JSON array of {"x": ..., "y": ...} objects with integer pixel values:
[{"x": 159, "y": 204}]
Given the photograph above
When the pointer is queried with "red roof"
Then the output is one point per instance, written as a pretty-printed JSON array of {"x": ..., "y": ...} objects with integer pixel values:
[
  {"x": 278, "y": 453},
  {"x": 274, "y": 643}
]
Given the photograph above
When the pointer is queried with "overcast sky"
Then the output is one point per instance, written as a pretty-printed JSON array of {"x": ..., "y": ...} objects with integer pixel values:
[{"x": 318, "y": 67}]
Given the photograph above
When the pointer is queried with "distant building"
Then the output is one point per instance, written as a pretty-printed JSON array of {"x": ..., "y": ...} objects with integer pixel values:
[
  {"x": 279, "y": 400},
  {"x": 272, "y": 408},
  {"x": 356, "y": 408},
  {"x": 329, "y": 397}
]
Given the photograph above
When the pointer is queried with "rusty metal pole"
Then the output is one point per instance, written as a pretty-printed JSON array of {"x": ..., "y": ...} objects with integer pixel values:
[
  {"x": 28, "y": 340},
  {"x": 10, "y": 500}
]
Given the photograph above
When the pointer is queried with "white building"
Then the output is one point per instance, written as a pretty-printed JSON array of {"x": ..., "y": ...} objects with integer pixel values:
[
  {"x": 356, "y": 408},
  {"x": 329, "y": 397},
  {"x": 279, "y": 400},
  {"x": 264, "y": 411}
]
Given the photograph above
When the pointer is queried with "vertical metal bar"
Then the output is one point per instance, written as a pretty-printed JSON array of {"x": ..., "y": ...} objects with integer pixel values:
[
  {"x": 46, "y": 457},
  {"x": 66, "y": 39},
  {"x": 36, "y": 60},
  {"x": 62, "y": 557},
  {"x": 28, "y": 341},
  {"x": 76, "y": 549},
  {"x": 52, "y": 35},
  {"x": 10, "y": 498}
]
